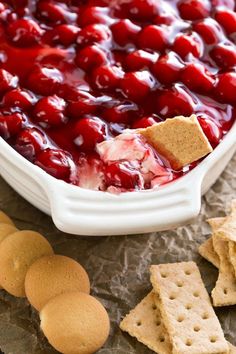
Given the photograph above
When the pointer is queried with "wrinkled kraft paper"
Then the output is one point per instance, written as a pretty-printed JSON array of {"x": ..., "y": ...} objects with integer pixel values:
[{"x": 118, "y": 269}]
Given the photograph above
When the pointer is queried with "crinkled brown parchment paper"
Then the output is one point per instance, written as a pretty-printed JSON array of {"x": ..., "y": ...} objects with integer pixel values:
[{"x": 118, "y": 269}]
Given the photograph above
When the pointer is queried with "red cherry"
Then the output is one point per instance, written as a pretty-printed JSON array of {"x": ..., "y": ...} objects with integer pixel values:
[
  {"x": 91, "y": 15},
  {"x": 19, "y": 3},
  {"x": 102, "y": 3},
  {"x": 44, "y": 81},
  {"x": 93, "y": 34},
  {"x": 121, "y": 114},
  {"x": 49, "y": 111},
  {"x": 209, "y": 30},
  {"x": 106, "y": 77},
  {"x": 186, "y": 44},
  {"x": 7, "y": 81},
  {"x": 119, "y": 175},
  {"x": 11, "y": 124},
  {"x": 153, "y": 37},
  {"x": 90, "y": 57},
  {"x": 125, "y": 32},
  {"x": 174, "y": 102},
  {"x": 119, "y": 57},
  {"x": 226, "y": 87},
  {"x": 2, "y": 7},
  {"x": 140, "y": 59},
  {"x": 64, "y": 34},
  {"x": 88, "y": 132},
  {"x": 24, "y": 32},
  {"x": 167, "y": 68},
  {"x": 141, "y": 9},
  {"x": 137, "y": 85},
  {"x": 55, "y": 162},
  {"x": 30, "y": 141},
  {"x": 224, "y": 55},
  {"x": 143, "y": 122},
  {"x": 194, "y": 9},
  {"x": 19, "y": 98},
  {"x": 55, "y": 13},
  {"x": 227, "y": 19},
  {"x": 164, "y": 19},
  {"x": 229, "y": 4},
  {"x": 197, "y": 78},
  {"x": 211, "y": 130},
  {"x": 85, "y": 104}
]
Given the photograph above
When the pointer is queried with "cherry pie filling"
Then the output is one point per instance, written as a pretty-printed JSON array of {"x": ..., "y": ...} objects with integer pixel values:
[{"x": 75, "y": 73}]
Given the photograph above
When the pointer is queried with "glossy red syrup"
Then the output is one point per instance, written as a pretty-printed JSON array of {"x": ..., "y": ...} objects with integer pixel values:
[{"x": 76, "y": 73}]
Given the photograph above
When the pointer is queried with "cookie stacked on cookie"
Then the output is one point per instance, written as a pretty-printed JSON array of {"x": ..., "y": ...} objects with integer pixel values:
[
  {"x": 58, "y": 287},
  {"x": 177, "y": 317},
  {"x": 220, "y": 250}
]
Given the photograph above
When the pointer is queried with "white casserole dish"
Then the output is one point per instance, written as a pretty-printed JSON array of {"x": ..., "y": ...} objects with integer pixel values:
[{"x": 84, "y": 212}]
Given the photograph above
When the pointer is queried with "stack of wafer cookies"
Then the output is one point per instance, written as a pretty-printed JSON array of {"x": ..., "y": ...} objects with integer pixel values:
[
  {"x": 220, "y": 250},
  {"x": 55, "y": 285},
  {"x": 177, "y": 316}
]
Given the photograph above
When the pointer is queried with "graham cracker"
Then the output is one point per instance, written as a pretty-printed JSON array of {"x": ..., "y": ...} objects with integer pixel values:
[
  {"x": 186, "y": 309},
  {"x": 232, "y": 349},
  {"x": 232, "y": 255},
  {"x": 224, "y": 293},
  {"x": 180, "y": 140},
  {"x": 227, "y": 231},
  {"x": 207, "y": 251},
  {"x": 144, "y": 323}
]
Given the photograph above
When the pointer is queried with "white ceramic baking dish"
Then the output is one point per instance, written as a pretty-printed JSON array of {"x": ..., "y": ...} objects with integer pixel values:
[{"x": 84, "y": 212}]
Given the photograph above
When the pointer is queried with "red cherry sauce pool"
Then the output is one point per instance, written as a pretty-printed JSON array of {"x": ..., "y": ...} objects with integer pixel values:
[{"x": 76, "y": 73}]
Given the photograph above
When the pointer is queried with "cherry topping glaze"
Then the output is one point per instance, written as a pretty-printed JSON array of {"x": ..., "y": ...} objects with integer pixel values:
[{"x": 74, "y": 74}]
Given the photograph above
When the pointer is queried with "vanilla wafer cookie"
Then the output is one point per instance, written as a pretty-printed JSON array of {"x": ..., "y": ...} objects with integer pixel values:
[
  {"x": 207, "y": 251},
  {"x": 144, "y": 323},
  {"x": 18, "y": 252},
  {"x": 186, "y": 309},
  {"x": 224, "y": 293},
  {"x": 6, "y": 230},
  {"x": 5, "y": 219}
]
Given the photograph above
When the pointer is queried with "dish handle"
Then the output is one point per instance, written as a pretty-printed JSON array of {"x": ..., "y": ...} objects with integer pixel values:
[{"x": 85, "y": 212}]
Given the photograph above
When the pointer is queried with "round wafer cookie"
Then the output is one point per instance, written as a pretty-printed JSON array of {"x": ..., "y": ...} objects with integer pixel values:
[
  {"x": 4, "y": 218},
  {"x": 53, "y": 275},
  {"x": 75, "y": 323},
  {"x": 17, "y": 252},
  {"x": 6, "y": 230}
]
